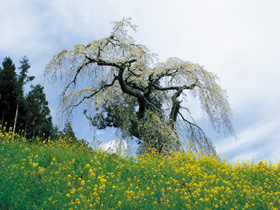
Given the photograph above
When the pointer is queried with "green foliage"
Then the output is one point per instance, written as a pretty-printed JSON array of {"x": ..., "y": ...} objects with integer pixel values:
[
  {"x": 38, "y": 118},
  {"x": 24, "y": 113},
  {"x": 67, "y": 134},
  {"x": 68, "y": 131},
  {"x": 8, "y": 91},
  {"x": 23, "y": 78},
  {"x": 58, "y": 175},
  {"x": 22, "y": 104}
]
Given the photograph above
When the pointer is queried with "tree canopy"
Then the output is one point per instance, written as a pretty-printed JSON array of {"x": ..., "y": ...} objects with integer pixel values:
[
  {"x": 38, "y": 118},
  {"x": 28, "y": 113},
  {"x": 120, "y": 83}
]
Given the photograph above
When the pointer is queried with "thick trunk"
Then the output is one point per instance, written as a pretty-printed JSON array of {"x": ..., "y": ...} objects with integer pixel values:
[
  {"x": 175, "y": 106},
  {"x": 174, "y": 112},
  {"x": 142, "y": 106}
]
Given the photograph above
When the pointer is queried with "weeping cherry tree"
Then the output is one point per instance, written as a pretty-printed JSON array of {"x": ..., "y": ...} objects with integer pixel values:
[{"x": 119, "y": 84}]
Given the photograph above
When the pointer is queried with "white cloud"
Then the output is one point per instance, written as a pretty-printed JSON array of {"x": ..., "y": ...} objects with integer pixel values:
[{"x": 258, "y": 141}]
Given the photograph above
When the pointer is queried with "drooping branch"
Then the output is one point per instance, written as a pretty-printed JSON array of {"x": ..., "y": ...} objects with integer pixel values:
[
  {"x": 188, "y": 112},
  {"x": 197, "y": 135},
  {"x": 152, "y": 87},
  {"x": 94, "y": 93},
  {"x": 130, "y": 89},
  {"x": 76, "y": 75}
]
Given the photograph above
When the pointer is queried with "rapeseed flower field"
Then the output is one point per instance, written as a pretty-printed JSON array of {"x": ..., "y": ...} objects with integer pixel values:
[{"x": 62, "y": 175}]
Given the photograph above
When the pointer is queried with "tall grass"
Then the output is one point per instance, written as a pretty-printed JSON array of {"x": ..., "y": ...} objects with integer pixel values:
[{"x": 62, "y": 175}]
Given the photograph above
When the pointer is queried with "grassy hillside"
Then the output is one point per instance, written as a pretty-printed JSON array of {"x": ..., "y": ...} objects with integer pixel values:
[{"x": 60, "y": 175}]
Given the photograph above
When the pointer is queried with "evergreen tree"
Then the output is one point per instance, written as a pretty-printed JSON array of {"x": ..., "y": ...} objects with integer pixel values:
[
  {"x": 8, "y": 91},
  {"x": 30, "y": 113},
  {"x": 68, "y": 130},
  {"x": 68, "y": 134},
  {"x": 23, "y": 79},
  {"x": 38, "y": 118}
]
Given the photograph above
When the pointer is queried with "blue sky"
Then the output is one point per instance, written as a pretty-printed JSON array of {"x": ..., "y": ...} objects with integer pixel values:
[{"x": 239, "y": 40}]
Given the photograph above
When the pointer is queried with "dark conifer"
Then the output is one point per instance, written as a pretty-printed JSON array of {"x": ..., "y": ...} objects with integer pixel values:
[{"x": 8, "y": 92}]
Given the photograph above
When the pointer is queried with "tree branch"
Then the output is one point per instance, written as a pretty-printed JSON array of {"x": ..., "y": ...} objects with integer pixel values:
[
  {"x": 76, "y": 75},
  {"x": 184, "y": 87},
  {"x": 188, "y": 112},
  {"x": 101, "y": 62},
  {"x": 93, "y": 94},
  {"x": 191, "y": 124},
  {"x": 152, "y": 105},
  {"x": 200, "y": 135},
  {"x": 125, "y": 88}
]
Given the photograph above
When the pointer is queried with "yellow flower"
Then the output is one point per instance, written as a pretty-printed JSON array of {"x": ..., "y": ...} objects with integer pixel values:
[
  {"x": 68, "y": 195},
  {"x": 73, "y": 190},
  {"x": 41, "y": 170},
  {"x": 69, "y": 184},
  {"x": 83, "y": 182},
  {"x": 103, "y": 181},
  {"x": 35, "y": 164},
  {"x": 87, "y": 166}
]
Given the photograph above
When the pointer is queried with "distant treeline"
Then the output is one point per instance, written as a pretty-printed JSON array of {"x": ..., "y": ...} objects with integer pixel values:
[{"x": 29, "y": 113}]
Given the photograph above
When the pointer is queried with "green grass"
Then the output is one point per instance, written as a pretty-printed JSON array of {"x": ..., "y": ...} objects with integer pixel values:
[{"x": 61, "y": 175}]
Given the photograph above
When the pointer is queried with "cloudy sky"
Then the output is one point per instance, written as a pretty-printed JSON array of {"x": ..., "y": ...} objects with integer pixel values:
[{"x": 239, "y": 40}]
